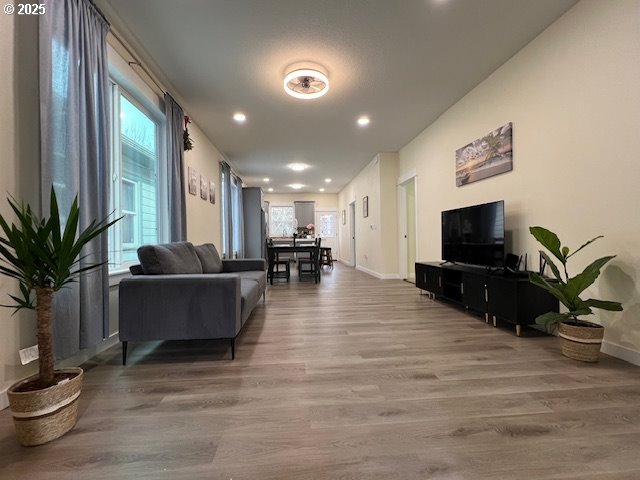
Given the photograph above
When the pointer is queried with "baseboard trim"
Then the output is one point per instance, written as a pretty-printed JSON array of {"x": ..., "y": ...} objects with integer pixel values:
[
  {"x": 623, "y": 353},
  {"x": 381, "y": 276},
  {"x": 4, "y": 399},
  {"x": 348, "y": 264}
]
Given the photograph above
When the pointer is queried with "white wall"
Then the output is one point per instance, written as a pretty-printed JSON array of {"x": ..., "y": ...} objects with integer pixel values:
[
  {"x": 376, "y": 235},
  {"x": 203, "y": 218},
  {"x": 20, "y": 178},
  {"x": 323, "y": 200},
  {"x": 574, "y": 99}
]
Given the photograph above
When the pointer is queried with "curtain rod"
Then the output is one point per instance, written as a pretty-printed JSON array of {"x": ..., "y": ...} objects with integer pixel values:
[{"x": 136, "y": 62}]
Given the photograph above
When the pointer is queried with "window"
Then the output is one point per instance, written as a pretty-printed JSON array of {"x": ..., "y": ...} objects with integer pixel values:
[
  {"x": 328, "y": 225},
  {"x": 135, "y": 180},
  {"x": 281, "y": 221}
]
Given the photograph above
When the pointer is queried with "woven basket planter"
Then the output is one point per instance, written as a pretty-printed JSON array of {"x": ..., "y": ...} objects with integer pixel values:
[
  {"x": 581, "y": 342},
  {"x": 43, "y": 415}
]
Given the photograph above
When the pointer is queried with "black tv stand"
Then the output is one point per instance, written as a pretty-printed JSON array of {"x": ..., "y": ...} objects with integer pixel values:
[
  {"x": 495, "y": 295},
  {"x": 448, "y": 261}
]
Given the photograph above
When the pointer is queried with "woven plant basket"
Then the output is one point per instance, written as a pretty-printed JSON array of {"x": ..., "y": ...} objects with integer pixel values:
[
  {"x": 581, "y": 342},
  {"x": 43, "y": 415}
]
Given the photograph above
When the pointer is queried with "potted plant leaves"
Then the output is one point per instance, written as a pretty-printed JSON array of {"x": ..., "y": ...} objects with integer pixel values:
[
  {"x": 45, "y": 257},
  {"x": 580, "y": 339}
]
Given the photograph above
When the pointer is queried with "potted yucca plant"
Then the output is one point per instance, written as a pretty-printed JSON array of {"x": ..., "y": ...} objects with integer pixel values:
[
  {"x": 580, "y": 339},
  {"x": 43, "y": 257}
]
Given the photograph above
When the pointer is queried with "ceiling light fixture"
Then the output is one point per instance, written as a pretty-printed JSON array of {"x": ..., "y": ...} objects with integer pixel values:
[
  {"x": 306, "y": 83},
  {"x": 265, "y": 179},
  {"x": 327, "y": 180},
  {"x": 269, "y": 189},
  {"x": 297, "y": 167},
  {"x": 363, "y": 121},
  {"x": 296, "y": 186},
  {"x": 322, "y": 189},
  {"x": 239, "y": 117}
]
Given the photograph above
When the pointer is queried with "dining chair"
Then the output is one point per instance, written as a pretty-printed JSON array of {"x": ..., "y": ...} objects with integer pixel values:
[{"x": 313, "y": 262}]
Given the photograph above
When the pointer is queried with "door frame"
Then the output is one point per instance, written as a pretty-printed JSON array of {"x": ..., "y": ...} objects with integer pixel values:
[
  {"x": 352, "y": 232},
  {"x": 403, "y": 180}
]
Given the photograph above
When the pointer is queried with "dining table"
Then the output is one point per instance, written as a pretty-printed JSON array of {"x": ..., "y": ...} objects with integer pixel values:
[{"x": 295, "y": 246}]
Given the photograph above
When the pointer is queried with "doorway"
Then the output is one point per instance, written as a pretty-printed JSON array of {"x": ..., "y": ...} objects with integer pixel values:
[
  {"x": 352, "y": 232},
  {"x": 407, "y": 219},
  {"x": 326, "y": 227}
]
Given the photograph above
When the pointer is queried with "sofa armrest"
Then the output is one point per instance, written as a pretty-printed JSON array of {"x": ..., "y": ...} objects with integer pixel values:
[
  {"x": 175, "y": 307},
  {"x": 244, "y": 265}
]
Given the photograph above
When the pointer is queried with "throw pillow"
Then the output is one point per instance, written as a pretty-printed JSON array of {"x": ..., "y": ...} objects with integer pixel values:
[
  {"x": 209, "y": 258},
  {"x": 170, "y": 258}
]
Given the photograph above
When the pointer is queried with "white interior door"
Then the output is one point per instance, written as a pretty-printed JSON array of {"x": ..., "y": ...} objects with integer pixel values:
[
  {"x": 327, "y": 229},
  {"x": 407, "y": 229}
]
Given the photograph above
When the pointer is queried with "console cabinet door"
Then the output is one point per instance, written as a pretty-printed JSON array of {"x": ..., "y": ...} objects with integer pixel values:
[
  {"x": 421, "y": 276},
  {"x": 473, "y": 291},
  {"x": 503, "y": 299},
  {"x": 434, "y": 279}
]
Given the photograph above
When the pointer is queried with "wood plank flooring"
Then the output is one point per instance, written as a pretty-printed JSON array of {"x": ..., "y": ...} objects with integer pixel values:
[{"x": 355, "y": 378}]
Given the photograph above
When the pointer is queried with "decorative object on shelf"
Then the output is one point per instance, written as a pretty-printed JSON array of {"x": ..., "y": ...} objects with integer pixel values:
[
  {"x": 580, "y": 339},
  {"x": 485, "y": 157},
  {"x": 204, "y": 187},
  {"x": 212, "y": 192},
  {"x": 193, "y": 181},
  {"x": 188, "y": 143},
  {"x": 365, "y": 206},
  {"x": 43, "y": 257},
  {"x": 310, "y": 228},
  {"x": 344, "y": 217}
]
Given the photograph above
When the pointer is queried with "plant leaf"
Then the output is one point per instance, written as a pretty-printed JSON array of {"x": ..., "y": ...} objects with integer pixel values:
[
  {"x": 587, "y": 243},
  {"x": 552, "y": 266},
  {"x": 549, "y": 240},
  {"x": 554, "y": 289},
  {"x": 579, "y": 283},
  {"x": 551, "y": 318},
  {"x": 604, "y": 305}
]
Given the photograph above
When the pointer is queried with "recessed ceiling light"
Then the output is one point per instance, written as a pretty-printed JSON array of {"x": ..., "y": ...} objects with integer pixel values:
[
  {"x": 322, "y": 189},
  {"x": 296, "y": 186},
  {"x": 363, "y": 121},
  {"x": 298, "y": 167},
  {"x": 269, "y": 189},
  {"x": 265, "y": 179},
  {"x": 305, "y": 83},
  {"x": 239, "y": 117},
  {"x": 327, "y": 180}
]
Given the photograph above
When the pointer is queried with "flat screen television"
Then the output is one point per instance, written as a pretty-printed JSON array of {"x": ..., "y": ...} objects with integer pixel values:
[{"x": 474, "y": 235}]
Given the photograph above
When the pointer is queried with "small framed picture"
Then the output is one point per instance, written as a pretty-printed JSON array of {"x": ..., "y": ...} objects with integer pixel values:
[
  {"x": 193, "y": 181},
  {"x": 204, "y": 188},
  {"x": 212, "y": 192},
  {"x": 365, "y": 206},
  {"x": 344, "y": 217}
]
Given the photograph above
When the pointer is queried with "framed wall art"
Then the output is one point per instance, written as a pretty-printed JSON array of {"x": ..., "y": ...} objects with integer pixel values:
[
  {"x": 193, "y": 181},
  {"x": 485, "y": 157},
  {"x": 204, "y": 188}
]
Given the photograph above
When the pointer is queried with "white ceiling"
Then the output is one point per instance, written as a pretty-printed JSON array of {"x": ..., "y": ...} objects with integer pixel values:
[{"x": 402, "y": 62}]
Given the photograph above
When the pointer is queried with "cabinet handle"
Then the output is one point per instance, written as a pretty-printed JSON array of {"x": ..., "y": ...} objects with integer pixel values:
[
  {"x": 440, "y": 281},
  {"x": 486, "y": 295},
  {"x": 424, "y": 276},
  {"x": 462, "y": 288}
]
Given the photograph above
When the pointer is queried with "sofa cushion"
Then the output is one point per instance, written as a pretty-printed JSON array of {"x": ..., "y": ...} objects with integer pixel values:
[
  {"x": 249, "y": 296},
  {"x": 169, "y": 258},
  {"x": 209, "y": 258},
  {"x": 256, "y": 276}
]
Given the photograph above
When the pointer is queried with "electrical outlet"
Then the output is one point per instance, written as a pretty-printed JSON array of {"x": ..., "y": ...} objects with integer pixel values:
[{"x": 29, "y": 354}]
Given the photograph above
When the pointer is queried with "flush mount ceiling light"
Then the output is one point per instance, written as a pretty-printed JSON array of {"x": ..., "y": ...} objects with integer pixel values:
[
  {"x": 239, "y": 117},
  {"x": 306, "y": 83},
  {"x": 322, "y": 189},
  {"x": 363, "y": 121},
  {"x": 296, "y": 186},
  {"x": 327, "y": 180},
  {"x": 270, "y": 189},
  {"x": 265, "y": 179},
  {"x": 298, "y": 167}
]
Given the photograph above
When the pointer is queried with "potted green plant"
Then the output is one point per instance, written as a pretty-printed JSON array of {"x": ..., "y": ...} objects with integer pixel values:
[
  {"x": 580, "y": 339},
  {"x": 43, "y": 257}
]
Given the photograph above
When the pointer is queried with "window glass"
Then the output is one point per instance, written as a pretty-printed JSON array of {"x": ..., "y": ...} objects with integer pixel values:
[
  {"x": 281, "y": 221},
  {"x": 328, "y": 225},
  {"x": 135, "y": 189}
]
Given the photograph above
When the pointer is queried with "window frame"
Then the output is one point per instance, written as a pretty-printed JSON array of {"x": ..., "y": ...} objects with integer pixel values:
[
  {"x": 293, "y": 214},
  {"x": 116, "y": 264}
]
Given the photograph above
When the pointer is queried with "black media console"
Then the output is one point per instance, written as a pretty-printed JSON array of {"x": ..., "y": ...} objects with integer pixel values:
[{"x": 496, "y": 296}]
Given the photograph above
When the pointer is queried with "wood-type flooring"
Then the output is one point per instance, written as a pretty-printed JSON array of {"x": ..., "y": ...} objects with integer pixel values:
[{"x": 354, "y": 378}]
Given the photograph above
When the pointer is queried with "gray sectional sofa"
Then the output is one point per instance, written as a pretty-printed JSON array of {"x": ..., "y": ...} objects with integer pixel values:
[{"x": 182, "y": 292}]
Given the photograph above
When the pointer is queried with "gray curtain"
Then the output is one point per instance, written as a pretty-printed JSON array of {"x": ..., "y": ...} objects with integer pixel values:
[
  {"x": 75, "y": 153},
  {"x": 225, "y": 198},
  {"x": 175, "y": 170}
]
